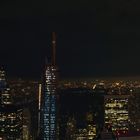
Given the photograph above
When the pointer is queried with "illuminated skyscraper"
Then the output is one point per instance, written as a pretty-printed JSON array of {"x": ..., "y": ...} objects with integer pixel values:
[
  {"x": 2, "y": 79},
  {"x": 117, "y": 112},
  {"x": 5, "y": 98},
  {"x": 48, "y": 99},
  {"x": 10, "y": 115}
]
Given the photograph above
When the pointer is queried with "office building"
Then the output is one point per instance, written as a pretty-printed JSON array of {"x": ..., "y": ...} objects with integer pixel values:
[
  {"x": 78, "y": 114},
  {"x": 48, "y": 99},
  {"x": 117, "y": 112},
  {"x": 10, "y": 114},
  {"x": 11, "y": 123}
]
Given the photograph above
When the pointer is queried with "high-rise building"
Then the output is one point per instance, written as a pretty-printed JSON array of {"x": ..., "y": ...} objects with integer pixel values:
[
  {"x": 5, "y": 96},
  {"x": 10, "y": 115},
  {"x": 48, "y": 99},
  {"x": 25, "y": 93},
  {"x": 2, "y": 79},
  {"x": 10, "y": 123},
  {"x": 117, "y": 112},
  {"x": 77, "y": 114}
]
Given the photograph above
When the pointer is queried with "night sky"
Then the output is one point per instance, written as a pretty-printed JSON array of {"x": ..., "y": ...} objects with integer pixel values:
[{"x": 94, "y": 38}]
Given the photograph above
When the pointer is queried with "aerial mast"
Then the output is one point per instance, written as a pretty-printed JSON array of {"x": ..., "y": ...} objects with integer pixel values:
[{"x": 53, "y": 48}]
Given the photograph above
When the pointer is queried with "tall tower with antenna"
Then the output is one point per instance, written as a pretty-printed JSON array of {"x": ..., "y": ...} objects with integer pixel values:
[{"x": 48, "y": 99}]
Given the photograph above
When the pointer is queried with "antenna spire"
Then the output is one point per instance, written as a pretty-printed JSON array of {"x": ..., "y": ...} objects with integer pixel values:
[{"x": 53, "y": 48}]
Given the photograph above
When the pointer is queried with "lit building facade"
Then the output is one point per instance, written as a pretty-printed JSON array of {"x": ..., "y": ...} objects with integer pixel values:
[
  {"x": 5, "y": 97},
  {"x": 48, "y": 100},
  {"x": 85, "y": 134},
  {"x": 117, "y": 112},
  {"x": 11, "y": 123},
  {"x": 10, "y": 115},
  {"x": 2, "y": 79},
  {"x": 74, "y": 133}
]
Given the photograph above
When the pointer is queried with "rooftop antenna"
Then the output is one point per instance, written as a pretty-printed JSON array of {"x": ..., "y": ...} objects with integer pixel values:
[{"x": 53, "y": 48}]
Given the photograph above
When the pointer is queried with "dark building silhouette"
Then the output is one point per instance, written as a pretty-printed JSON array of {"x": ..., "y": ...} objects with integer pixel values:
[{"x": 84, "y": 107}]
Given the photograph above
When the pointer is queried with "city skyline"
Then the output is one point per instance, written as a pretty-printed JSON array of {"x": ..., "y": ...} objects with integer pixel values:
[
  {"x": 93, "y": 39},
  {"x": 69, "y": 70}
]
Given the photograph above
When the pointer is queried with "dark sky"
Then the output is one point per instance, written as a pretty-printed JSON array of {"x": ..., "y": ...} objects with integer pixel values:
[{"x": 94, "y": 38}]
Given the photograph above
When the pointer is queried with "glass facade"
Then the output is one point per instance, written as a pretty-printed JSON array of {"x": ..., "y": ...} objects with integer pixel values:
[{"x": 49, "y": 104}]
